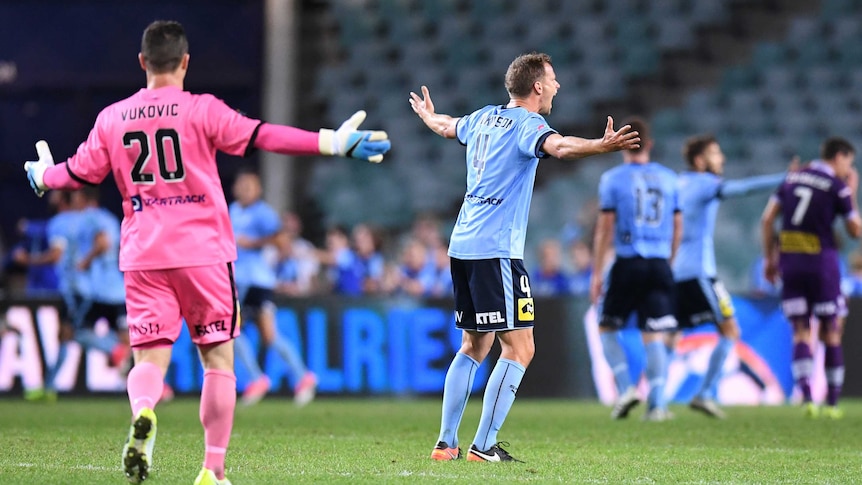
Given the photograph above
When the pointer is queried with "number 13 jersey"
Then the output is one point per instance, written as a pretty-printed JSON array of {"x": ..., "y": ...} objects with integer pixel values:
[{"x": 644, "y": 198}]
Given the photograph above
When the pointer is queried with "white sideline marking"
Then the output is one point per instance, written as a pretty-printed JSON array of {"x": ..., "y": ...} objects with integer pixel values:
[{"x": 47, "y": 466}]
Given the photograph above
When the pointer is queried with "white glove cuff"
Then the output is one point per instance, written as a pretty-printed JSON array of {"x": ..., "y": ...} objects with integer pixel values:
[{"x": 326, "y": 142}]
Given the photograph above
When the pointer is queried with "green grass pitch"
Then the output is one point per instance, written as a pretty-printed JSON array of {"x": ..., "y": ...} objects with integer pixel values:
[{"x": 78, "y": 441}]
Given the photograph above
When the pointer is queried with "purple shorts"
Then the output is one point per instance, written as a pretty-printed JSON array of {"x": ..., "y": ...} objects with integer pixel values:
[{"x": 809, "y": 289}]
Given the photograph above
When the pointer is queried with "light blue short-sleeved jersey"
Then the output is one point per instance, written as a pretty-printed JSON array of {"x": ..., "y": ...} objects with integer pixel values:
[
  {"x": 700, "y": 193},
  {"x": 644, "y": 198},
  {"x": 503, "y": 150},
  {"x": 106, "y": 280},
  {"x": 257, "y": 221},
  {"x": 63, "y": 232}
]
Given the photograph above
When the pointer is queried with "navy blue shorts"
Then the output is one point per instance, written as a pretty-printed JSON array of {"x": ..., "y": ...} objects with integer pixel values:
[
  {"x": 114, "y": 313},
  {"x": 642, "y": 285},
  {"x": 254, "y": 300},
  {"x": 702, "y": 300},
  {"x": 492, "y": 294}
]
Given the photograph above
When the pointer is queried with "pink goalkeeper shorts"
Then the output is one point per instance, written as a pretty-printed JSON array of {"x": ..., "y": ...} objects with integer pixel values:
[{"x": 158, "y": 300}]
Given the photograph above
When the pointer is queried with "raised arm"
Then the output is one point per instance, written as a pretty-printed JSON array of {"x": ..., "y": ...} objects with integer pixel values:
[
  {"x": 767, "y": 235},
  {"x": 571, "y": 147},
  {"x": 442, "y": 124}
]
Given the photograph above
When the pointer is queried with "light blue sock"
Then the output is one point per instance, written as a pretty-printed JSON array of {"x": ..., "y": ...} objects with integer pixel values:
[
  {"x": 616, "y": 357},
  {"x": 499, "y": 396},
  {"x": 88, "y": 339},
  {"x": 456, "y": 390},
  {"x": 290, "y": 354},
  {"x": 716, "y": 362},
  {"x": 246, "y": 356},
  {"x": 656, "y": 373},
  {"x": 51, "y": 375}
]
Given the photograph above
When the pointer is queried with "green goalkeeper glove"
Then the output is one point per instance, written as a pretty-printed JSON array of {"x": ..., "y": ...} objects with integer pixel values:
[{"x": 347, "y": 141}]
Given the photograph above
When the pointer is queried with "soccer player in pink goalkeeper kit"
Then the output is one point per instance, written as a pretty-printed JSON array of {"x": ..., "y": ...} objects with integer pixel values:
[{"x": 177, "y": 245}]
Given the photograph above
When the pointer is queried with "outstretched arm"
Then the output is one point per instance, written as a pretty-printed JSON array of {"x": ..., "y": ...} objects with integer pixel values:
[
  {"x": 569, "y": 147},
  {"x": 443, "y": 125},
  {"x": 750, "y": 185},
  {"x": 346, "y": 141}
]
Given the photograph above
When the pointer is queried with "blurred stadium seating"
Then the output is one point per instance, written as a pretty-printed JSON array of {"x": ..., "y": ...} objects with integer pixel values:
[
  {"x": 770, "y": 78},
  {"x": 776, "y": 96}
]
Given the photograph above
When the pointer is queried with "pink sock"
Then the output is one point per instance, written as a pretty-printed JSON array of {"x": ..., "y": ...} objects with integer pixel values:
[
  {"x": 144, "y": 385},
  {"x": 218, "y": 400}
]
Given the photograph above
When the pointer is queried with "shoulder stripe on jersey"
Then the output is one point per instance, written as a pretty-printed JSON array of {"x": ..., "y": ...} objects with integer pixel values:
[
  {"x": 77, "y": 178},
  {"x": 539, "y": 153},
  {"x": 456, "y": 131},
  {"x": 250, "y": 148}
]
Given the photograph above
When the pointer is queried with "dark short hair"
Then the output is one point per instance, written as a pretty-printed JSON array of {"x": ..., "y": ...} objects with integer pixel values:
[
  {"x": 247, "y": 170},
  {"x": 833, "y": 146},
  {"x": 163, "y": 46},
  {"x": 524, "y": 71},
  {"x": 90, "y": 192},
  {"x": 695, "y": 146},
  {"x": 641, "y": 126}
]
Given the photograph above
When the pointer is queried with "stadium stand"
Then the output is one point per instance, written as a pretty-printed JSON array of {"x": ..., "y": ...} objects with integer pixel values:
[{"x": 770, "y": 78}]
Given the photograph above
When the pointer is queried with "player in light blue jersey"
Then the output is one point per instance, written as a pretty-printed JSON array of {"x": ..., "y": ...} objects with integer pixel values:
[
  {"x": 98, "y": 262},
  {"x": 62, "y": 233},
  {"x": 492, "y": 289},
  {"x": 85, "y": 242},
  {"x": 255, "y": 226},
  {"x": 640, "y": 217},
  {"x": 701, "y": 297}
]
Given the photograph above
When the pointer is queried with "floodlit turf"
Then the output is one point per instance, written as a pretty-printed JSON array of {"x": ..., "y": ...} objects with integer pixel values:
[{"x": 389, "y": 441}]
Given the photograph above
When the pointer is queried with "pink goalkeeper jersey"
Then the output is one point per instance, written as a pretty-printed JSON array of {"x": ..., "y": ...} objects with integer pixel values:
[{"x": 161, "y": 146}]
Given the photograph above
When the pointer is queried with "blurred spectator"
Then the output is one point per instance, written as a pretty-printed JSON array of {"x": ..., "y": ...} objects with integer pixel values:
[
  {"x": 426, "y": 230},
  {"x": 582, "y": 268},
  {"x": 549, "y": 279},
  {"x": 291, "y": 280},
  {"x": 366, "y": 243},
  {"x": 353, "y": 271},
  {"x": 31, "y": 253},
  {"x": 303, "y": 253},
  {"x": 337, "y": 259},
  {"x": 412, "y": 276},
  {"x": 441, "y": 285}
]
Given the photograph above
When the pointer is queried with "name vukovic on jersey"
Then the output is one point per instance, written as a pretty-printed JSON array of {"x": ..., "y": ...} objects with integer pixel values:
[
  {"x": 151, "y": 111},
  {"x": 160, "y": 145}
]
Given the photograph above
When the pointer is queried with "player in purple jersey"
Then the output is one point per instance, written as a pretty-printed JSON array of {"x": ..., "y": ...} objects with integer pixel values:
[{"x": 808, "y": 202}]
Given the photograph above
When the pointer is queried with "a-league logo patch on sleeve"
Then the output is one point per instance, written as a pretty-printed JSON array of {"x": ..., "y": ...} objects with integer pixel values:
[{"x": 526, "y": 312}]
